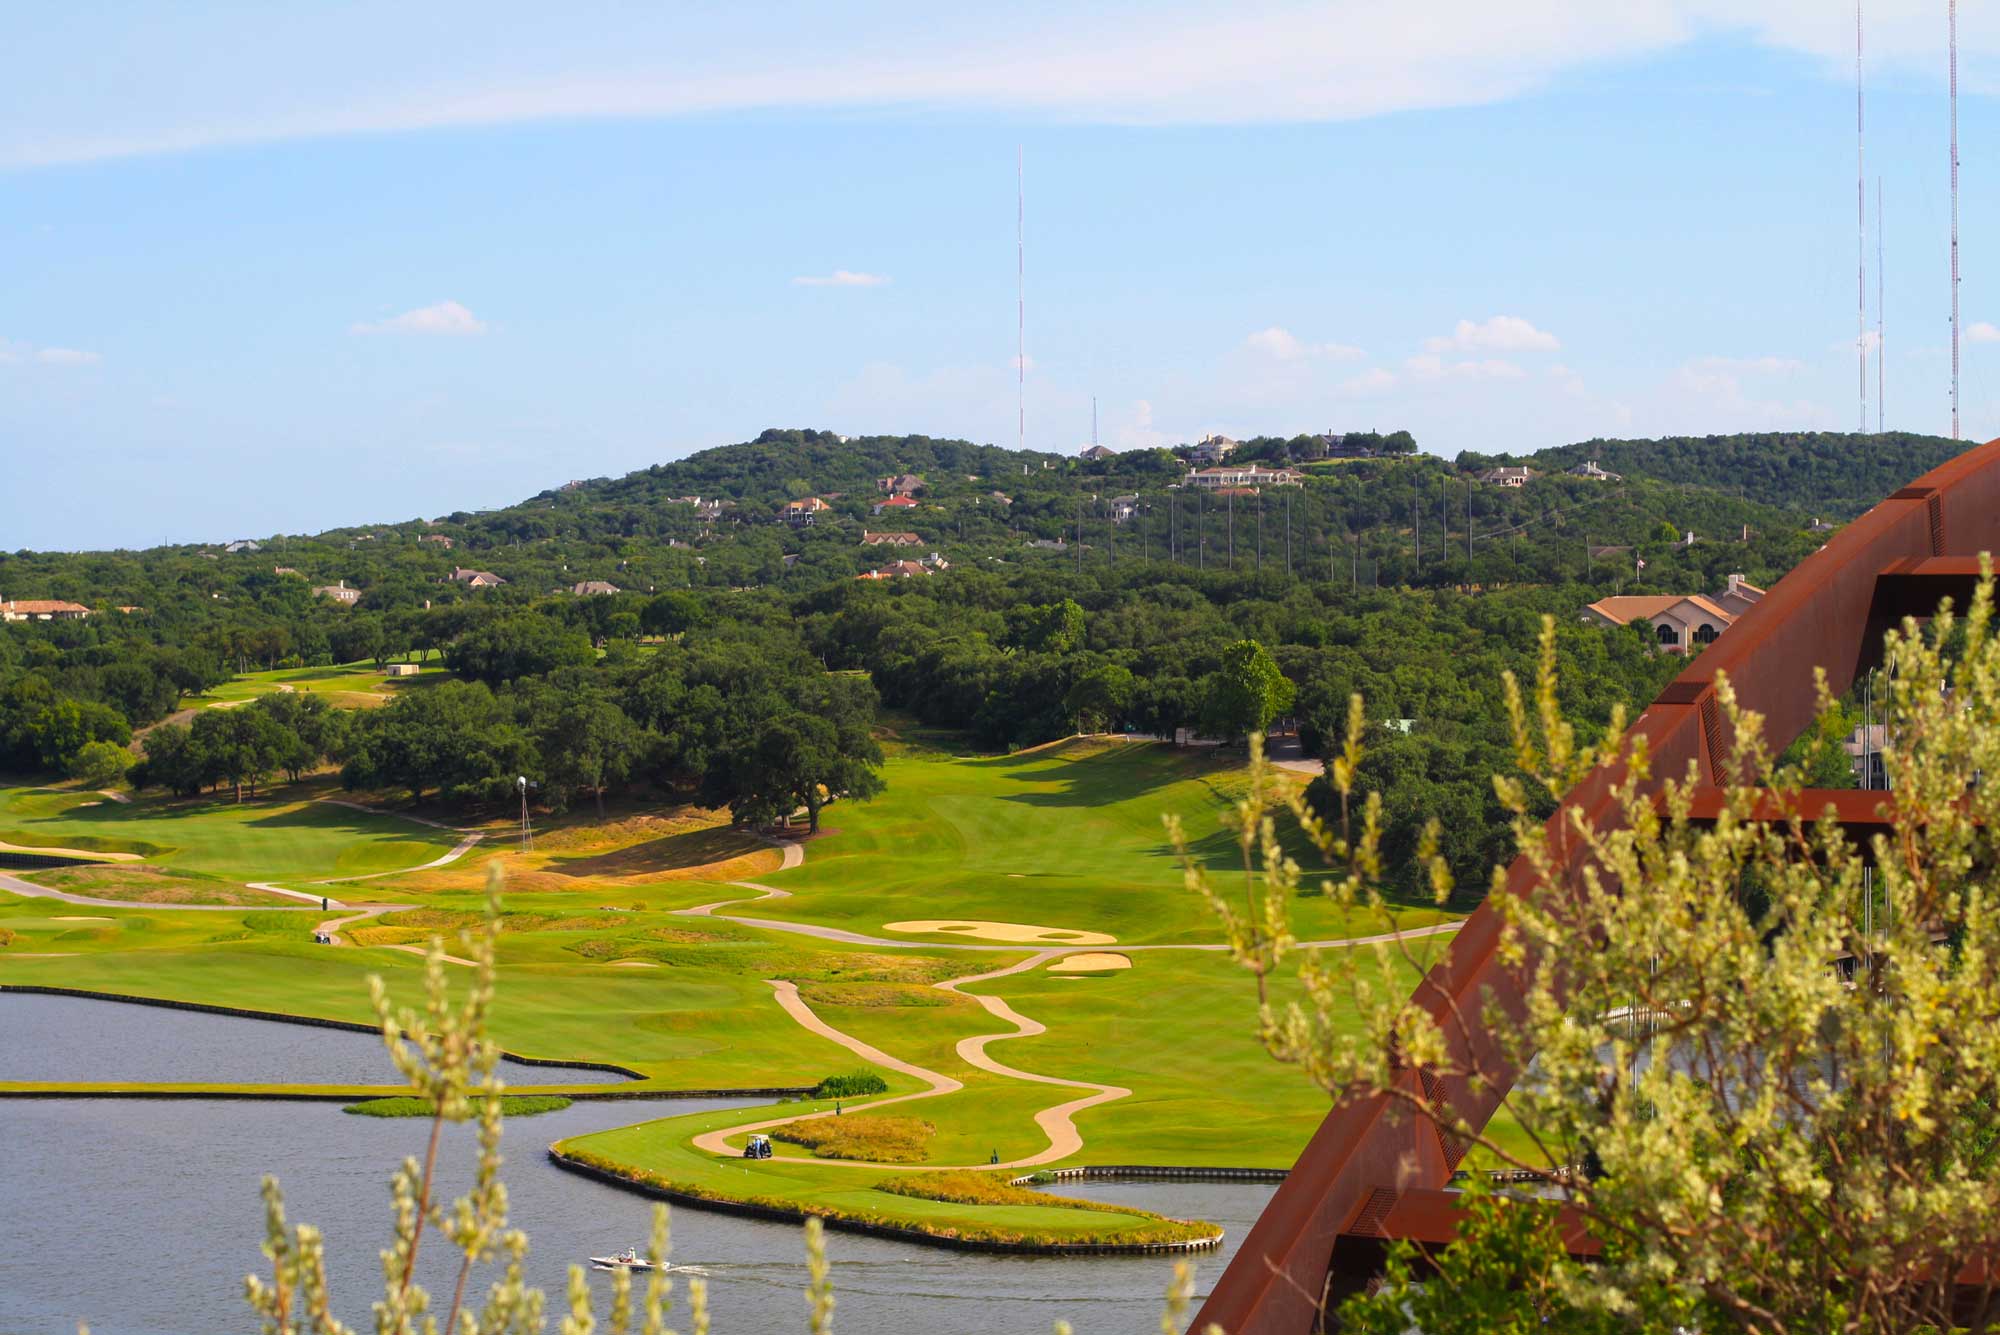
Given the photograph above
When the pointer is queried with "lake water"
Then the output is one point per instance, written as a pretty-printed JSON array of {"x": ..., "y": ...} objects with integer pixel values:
[
  {"x": 141, "y": 1217},
  {"x": 84, "y": 1039}
]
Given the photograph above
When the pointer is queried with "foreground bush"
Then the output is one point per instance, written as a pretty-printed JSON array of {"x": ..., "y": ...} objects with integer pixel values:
[{"x": 1771, "y": 1056}]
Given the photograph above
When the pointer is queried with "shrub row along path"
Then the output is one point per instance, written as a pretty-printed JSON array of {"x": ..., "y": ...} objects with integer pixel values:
[{"x": 1057, "y": 1122}]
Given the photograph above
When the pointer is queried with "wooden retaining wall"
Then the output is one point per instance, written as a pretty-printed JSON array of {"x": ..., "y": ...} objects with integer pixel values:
[{"x": 1155, "y": 1173}]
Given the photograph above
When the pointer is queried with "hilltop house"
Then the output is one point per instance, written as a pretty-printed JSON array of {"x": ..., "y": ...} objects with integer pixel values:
[
  {"x": 890, "y": 539},
  {"x": 438, "y": 538},
  {"x": 475, "y": 579},
  {"x": 243, "y": 545},
  {"x": 1680, "y": 622},
  {"x": 894, "y": 504},
  {"x": 1588, "y": 468},
  {"x": 1507, "y": 477},
  {"x": 895, "y": 570},
  {"x": 1123, "y": 508},
  {"x": 590, "y": 587},
  {"x": 285, "y": 570},
  {"x": 1096, "y": 452},
  {"x": 801, "y": 514},
  {"x": 339, "y": 593},
  {"x": 1212, "y": 450},
  {"x": 42, "y": 609},
  {"x": 900, "y": 484},
  {"x": 1248, "y": 475}
]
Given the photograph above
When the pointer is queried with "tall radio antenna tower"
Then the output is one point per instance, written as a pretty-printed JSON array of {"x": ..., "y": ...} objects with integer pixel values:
[
  {"x": 1952, "y": 11},
  {"x": 1860, "y": 230},
  {"x": 1021, "y": 297},
  {"x": 1881, "y": 322}
]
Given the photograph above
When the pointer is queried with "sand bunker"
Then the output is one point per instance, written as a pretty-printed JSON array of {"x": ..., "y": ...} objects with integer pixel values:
[
  {"x": 1013, "y": 932},
  {"x": 1090, "y": 962},
  {"x": 77, "y": 919},
  {"x": 633, "y": 964},
  {"x": 82, "y": 854}
]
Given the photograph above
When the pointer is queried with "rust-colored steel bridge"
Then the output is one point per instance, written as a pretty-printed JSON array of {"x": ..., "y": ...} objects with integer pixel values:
[{"x": 1366, "y": 1178}]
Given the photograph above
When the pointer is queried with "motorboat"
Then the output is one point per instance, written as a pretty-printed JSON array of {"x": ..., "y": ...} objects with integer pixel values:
[{"x": 629, "y": 1259}]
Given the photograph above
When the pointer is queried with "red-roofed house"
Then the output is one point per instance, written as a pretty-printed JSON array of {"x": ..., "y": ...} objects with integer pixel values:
[
  {"x": 42, "y": 609},
  {"x": 895, "y": 504},
  {"x": 1680, "y": 622}
]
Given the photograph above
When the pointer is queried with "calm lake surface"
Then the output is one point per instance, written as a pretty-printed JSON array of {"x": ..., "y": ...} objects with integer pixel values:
[
  {"x": 141, "y": 1217},
  {"x": 83, "y": 1039}
]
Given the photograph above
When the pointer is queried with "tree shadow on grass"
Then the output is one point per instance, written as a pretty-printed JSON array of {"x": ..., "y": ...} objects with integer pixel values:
[
  {"x": 673, "y": 852},
  {"x": 1105, "y": 778}
]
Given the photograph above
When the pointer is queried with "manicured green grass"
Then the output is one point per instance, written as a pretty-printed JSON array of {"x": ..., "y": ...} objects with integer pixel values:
[
  {"x": 603, "y": 970},
  {"x": 261, "y": 839},
  {"x": 511, "y": 1105},
  {"x": 1068, "y": 837},
  {"x": 654, "y": 1153},
  {"x": 348, "y": 685}
]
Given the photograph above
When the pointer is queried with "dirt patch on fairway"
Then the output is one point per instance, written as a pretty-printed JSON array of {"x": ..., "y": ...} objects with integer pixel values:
[
  {"x": 1090, "y": 962},
  {"x": 1016, "y": 933},
  {"x": 75, "y": 918}
]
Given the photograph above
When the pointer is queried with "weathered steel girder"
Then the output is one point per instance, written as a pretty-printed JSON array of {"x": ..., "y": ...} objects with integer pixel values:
[{"x": 1365, "y": 1177}]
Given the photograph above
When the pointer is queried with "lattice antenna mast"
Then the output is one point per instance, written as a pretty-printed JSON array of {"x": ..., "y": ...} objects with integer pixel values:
[
  {"x": 1881, "y": 323},
  {"x": 1021, "y": 297},
  {"x": 527, "y": 830},
  {"x": 1952, "y": 13},
  {"x": 1860, "y": 230}
]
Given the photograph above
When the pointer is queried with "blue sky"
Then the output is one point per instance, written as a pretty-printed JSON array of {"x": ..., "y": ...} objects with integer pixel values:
[{"x": 276, "y": 268}]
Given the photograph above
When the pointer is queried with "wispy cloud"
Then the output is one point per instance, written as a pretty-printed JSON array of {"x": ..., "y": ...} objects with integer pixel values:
[
  {"x": 841, "y": 278},
  {"x": 1260, "y": 61},
  {"x": 1982, "y": 331},
  {"x": 1283, "y": 345},
  {"x": 12, "y": 353},
  {"x": 445, "y": 317},
  {"x": 1430, "y": 366},
  {"x": 1499, "y": 333}
]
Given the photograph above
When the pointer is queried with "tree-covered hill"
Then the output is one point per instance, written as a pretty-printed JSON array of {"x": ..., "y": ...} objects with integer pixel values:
[
  {"x": 1830, "y": 473},
  {"x": 738, "y": 656}
]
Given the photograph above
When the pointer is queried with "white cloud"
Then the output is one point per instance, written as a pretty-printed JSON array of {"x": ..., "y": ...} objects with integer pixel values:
[
  {"x": 445, "y": 317},
  {"x": 1982, "y": 331},
  {"x": 1500, "y": 333},
  {"x": 1283, "y": 345},
  {"x": 295, "y": 73},
  {"x": 1430, "y": 366},
  {"x": 67, "y": 357},
  {"x": 13, "y": 352},
  {"x": 841, "y": 278},
  {"x": 1371, "y": 382}
]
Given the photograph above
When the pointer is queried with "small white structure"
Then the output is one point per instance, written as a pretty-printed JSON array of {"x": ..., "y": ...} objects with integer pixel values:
[{"x": 401, "y": 670}]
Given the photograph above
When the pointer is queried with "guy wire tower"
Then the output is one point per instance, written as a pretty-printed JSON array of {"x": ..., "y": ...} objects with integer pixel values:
[
  {"x": 1021, "y": 297},
  {"x": 1952, "y": 18},
  {"x": 1881, "y": 321},
  {"x": 1860, "y": 230}
]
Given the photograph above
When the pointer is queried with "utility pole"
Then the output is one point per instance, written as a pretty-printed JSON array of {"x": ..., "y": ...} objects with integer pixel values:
[
  {"x": 1201, "y": 530},
  {"x": 1230, "y": 525},
  {"x": 1260, "y": 530},
  {"x": 1288, "y": 535}
]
